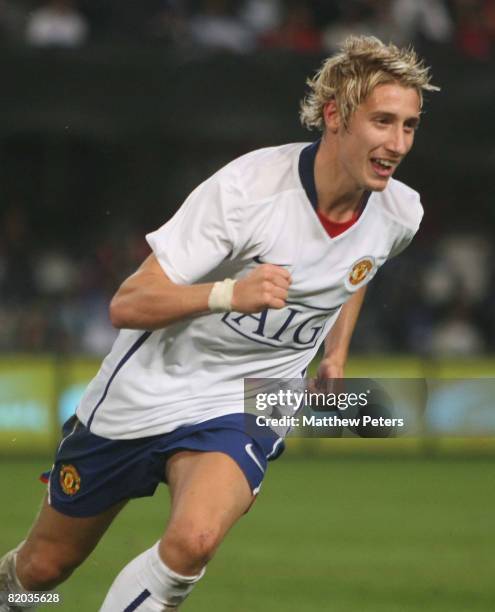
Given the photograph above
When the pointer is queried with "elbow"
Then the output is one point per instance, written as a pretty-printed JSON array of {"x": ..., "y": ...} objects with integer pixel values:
[{"x": 117, "y": 313}]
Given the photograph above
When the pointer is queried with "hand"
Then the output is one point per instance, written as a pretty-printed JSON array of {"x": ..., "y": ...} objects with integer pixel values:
[
  {"x": 266, "y": 286},
  {"x": 329, "y": 377},
  {"x": 329, "y": 368}
]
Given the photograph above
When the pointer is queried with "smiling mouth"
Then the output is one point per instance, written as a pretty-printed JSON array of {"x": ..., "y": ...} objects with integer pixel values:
[{"x": 383, "y": 167}]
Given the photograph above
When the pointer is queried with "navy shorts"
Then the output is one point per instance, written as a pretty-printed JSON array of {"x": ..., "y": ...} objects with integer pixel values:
[{"x": 91, "y": 473}]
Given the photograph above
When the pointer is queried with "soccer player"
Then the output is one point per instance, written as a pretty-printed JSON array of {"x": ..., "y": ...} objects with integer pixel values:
[{"x": 264, "y": 261}]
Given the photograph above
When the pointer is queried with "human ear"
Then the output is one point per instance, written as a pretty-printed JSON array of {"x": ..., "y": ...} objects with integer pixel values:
[{"x": 331, "y": 116}]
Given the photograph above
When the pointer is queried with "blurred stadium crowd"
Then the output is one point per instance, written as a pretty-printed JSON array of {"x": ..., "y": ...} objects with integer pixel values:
[{"x": 242, "y": 26}]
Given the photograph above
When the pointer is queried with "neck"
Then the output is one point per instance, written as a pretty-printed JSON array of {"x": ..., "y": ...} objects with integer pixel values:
[{"x": 338, "y": 195}]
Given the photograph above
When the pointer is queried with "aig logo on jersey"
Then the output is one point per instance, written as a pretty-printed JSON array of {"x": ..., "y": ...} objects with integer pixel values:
[
  {"x": 296, "y": 327},
  {"x": 361, "y": 272}
]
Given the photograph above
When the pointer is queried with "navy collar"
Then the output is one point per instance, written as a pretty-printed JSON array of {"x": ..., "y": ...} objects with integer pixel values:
[{"x": 307, "y": 175}]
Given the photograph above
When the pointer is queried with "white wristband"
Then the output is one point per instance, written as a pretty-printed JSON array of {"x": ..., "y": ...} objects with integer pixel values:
[{"x": 220, "y": 298}]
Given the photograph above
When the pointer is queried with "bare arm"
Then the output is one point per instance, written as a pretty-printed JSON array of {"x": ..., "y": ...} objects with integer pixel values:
[
  {"x": 149, "y": 300},
  {"x": 339, "y": 338}
]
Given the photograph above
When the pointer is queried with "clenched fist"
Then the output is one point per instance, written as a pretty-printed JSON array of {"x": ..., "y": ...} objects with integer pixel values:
[{"x": 266, "y": 286}]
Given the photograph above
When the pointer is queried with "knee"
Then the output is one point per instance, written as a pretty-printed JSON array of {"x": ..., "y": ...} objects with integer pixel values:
[
  {"x": 43, "y": 568},
  {"x": 194, "y": 545}
]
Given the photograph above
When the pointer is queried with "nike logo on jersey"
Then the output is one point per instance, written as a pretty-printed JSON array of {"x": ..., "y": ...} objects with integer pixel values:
[
  {"x": 250, "y": 452},
  {"x": 258, "y": 260}
]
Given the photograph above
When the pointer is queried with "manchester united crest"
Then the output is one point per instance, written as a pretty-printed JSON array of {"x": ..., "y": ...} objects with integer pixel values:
[
  {"x": 360, "y": 272},
  {"x": 69, "y": 478}
]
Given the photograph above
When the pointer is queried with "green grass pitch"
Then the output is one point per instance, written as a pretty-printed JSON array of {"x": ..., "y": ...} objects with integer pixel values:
[{"x": 325, "y": 535}]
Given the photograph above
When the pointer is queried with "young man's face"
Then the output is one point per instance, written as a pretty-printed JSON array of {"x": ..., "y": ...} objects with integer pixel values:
[{"x": 380, "y": 134}]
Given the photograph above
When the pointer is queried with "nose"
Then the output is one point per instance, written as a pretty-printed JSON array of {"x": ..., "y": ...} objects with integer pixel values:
[{"x": 399, "y": 142}]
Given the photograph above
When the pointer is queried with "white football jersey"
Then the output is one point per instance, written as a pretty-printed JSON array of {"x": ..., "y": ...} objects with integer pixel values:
[{"x": 259, "y": 208}]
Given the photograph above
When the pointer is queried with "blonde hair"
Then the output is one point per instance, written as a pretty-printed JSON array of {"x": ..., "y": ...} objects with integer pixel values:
[{"x": 350, "y": 76}]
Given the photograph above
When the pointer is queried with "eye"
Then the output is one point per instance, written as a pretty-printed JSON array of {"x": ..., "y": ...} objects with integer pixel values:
[{"x": 382, "y": 121}]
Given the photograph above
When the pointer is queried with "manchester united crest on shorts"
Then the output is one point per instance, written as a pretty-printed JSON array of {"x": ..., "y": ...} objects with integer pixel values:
[
  {"x": 69, "y": 478},
  {"x": 360, "y": 273}
]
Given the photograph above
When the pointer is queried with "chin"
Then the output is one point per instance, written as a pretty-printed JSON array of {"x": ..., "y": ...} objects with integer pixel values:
[
  {"x": 372, "y": 182},
  {"x": 376, "y": 185}
]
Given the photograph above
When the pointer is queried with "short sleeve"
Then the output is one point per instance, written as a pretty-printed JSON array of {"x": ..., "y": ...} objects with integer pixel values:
[
  {"x": 201, "y": 234},
  {"x": 407, "y": 232},
  {"x": 402, "y": 242}
]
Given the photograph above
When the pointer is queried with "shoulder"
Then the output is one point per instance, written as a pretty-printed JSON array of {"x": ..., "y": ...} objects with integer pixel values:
[
  {"x": 247, "y": 186},
  {"x": 402, "y": 204},
  {"x": 264, "y": 173}
]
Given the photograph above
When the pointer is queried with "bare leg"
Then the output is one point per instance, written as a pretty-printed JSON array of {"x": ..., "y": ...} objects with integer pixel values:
[
  {"x": 57, "y": 544},
  {"x": 209, "y": 494}
]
